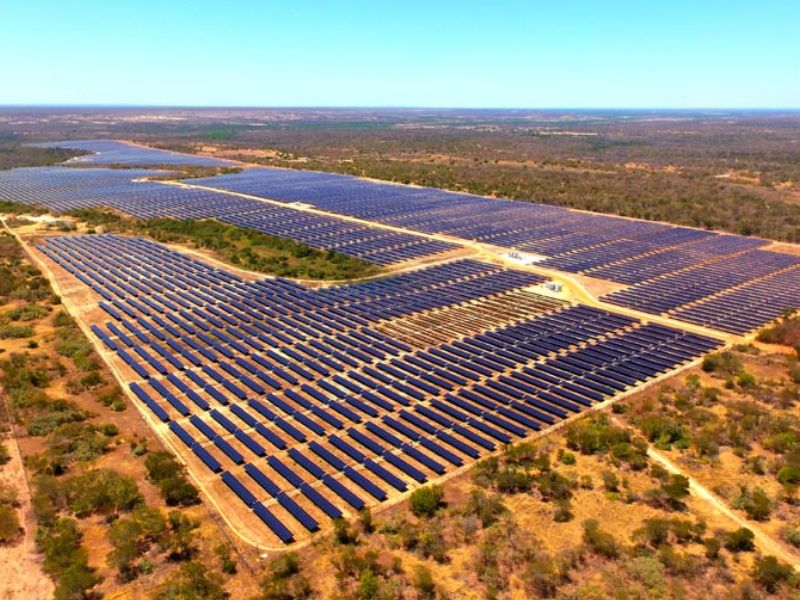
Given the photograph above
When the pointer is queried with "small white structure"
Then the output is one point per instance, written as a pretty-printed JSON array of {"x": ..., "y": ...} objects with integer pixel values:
[
  {"x": 48, "y": 219},
  {"x": 524, "y": 258}
]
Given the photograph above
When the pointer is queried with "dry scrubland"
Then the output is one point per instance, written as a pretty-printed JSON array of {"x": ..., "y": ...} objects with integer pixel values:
[
  {"x": 585, "y": 513},
  {"x": 114, "y": 513},
  {"x": 733, "y": 171},
  {"x": 582, "y": 513}
]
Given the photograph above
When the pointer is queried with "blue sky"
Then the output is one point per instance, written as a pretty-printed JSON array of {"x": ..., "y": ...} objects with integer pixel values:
[{"x": 402, "y": 53}]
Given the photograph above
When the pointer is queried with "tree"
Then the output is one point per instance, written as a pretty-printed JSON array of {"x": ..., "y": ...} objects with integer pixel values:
[
  {"x": 423, "y": 582},
  {"x": 770, "y": 573},
  {"x": 365, "y": 520},
  {"x": 740, "y": 540},
  {"x": 756, "y": 504},
  {"x": 427, "y": 500},
  {"x": 101, "y": 491},
  {"x": 10, "y": 528},
  {"x": 167, "y": 473},
  {"x": 131, "y": 537},
  {"x": 486, "y": 507},
  {"x": 177, "y": 491},
  {"x": 542, "y": 577},
  {"x": 193, "y": 581},
  {"x": 601, "y": 542},
  {"x": 161, "y": 465},
  {"x": 342, "y": 534},
  {"x": 179, "y": 539},
  {"x": 284, "y": 581},
  {"x": 74, "y": 581},
  {"x": 228, "y": 564}
]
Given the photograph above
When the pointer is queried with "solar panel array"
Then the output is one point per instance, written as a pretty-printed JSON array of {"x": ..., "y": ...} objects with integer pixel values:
[
  {"x": 660, "y": 261},
  {"x": 305, "y": 409},
  {"x": 61, "y": 189},
  {"x": 572, "y": 240},
  {"x": 765, "y": 276},
  {"x": 107, "y": 152}
]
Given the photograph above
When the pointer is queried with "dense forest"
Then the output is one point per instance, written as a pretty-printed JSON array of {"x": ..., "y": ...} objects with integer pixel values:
[{"x": 14, "y": 154}]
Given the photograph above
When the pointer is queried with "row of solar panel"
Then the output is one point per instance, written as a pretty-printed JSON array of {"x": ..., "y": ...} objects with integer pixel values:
[
  {"x": 451, "y": 402},
  {"x": 63, "y": 189}
]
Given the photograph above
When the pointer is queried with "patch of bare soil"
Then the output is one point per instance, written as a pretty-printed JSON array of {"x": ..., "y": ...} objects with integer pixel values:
[{"x": 21, "y": 572}]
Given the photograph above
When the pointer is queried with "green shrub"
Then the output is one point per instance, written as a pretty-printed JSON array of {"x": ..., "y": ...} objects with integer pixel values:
[
  {"x": 227, "y": 563},
  {"x": 725, "y": 362},
  {"x": 166, "y": 472},
  {"x": 567, "y": 458},
  {"x": 192, "y": 581},
  {"x": 792, "y": 535},
  {"x": 712, "y": 546},
  {"x": 31, "y": 312},
  {"x": 100, "y": 491},
  {"x": 671, "y": 493},
  {"x": 342, "y": 534},
  {"x": 284, "y": 566},
  {"x": 423, "y": 583},
  {"x": 91, "y": 380},
  {"x": 131, "y": 537},
  {"x": 10, "y": 528},
  {"x": 65, "y": 559},
  {"x": 514, "y": 481},
  {"x": 486, "y": 507},
  {"x": 426, "y": 500},
  {"x": 770, "y": 573},
  {"x": 756, "y": 504},
  {"x": 15, "y": 331},
  {"x": 740, "y": 540},
  {"x": 177, "y": 491},
  {"x": 365, "y": 520},
  {"x": 746, "y": 380},
  {"x": 594, "y": 435},
  {"x": 600, "y": 542},
  {"x": 563, "y": 513},
  {"x": 59, "y": 413},
  {"x": 162, "y": 465},
  {"x": 610, "y": 481},
  {"x": 789, "y": 475}
]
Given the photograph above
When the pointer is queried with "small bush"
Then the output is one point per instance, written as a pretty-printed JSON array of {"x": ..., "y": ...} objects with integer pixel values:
[
  {"x": 740, "y": 540},
  {"x": 227, "y": 563},
  {"x": 15, "y": 331},
  {"x": 601, "y": 542},
  {"x": 770, "y": 573},
  {"x": 756, "y": 504},
  {"x": 91, "y": 380},
  {"x": 427, "y": 500},
  {"x": 486, "y": 507},
  {"x": 10, "y": 528},
  {"x": 423, "y": 582},
  {"x": 192, "y": 580},
  {"x": 746, "y": 380},
  {"x": 342, "y": 534}
]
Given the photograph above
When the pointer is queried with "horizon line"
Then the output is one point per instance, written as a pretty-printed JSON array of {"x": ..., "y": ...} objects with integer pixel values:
[{"x": 400, "y": 107}]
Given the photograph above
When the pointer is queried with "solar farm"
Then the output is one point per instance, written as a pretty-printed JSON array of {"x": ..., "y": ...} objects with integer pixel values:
[{"x": 293, "y": 406}]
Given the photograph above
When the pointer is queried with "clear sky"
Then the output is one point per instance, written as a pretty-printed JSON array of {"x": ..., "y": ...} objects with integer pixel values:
[{"x": 447, "y": 53}]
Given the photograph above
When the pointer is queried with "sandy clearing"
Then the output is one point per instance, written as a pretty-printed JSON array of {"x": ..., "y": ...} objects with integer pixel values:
[{"x": 21, "y": 573}]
